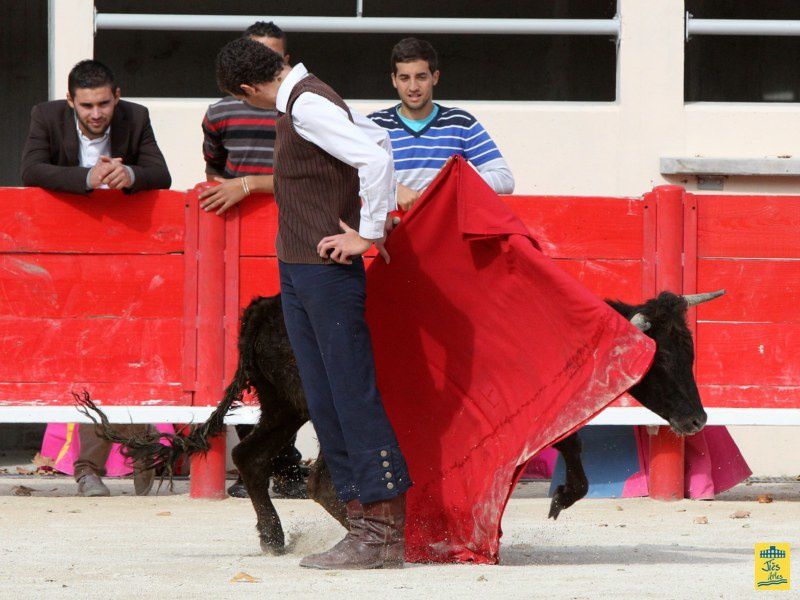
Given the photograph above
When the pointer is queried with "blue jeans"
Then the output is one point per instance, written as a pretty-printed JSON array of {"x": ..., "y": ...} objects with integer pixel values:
[{"x": 323, "y": 306}]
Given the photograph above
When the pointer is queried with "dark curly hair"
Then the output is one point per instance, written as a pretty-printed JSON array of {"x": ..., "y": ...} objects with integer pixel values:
[
  {"x": 266, "y": 29},
  {"x": 410, "y": 49},
  {"x": 90, "y": 74},
  {"x": 244, "y": 61}
]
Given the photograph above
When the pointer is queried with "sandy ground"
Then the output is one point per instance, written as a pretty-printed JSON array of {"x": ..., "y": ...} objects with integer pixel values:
[{"x": 55, "y": 545}]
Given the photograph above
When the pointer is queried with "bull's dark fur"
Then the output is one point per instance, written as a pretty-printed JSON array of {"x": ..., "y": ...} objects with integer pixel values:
[
  {"x": 668, "y": 388},
  {"x": 267, "y": 364}
]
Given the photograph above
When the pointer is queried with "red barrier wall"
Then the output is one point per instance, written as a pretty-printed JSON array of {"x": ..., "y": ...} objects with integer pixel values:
[
  {"x": 749, "y": 340},
  {"x": 127, "y": 295},
  {"x": 91, "y": 295}
]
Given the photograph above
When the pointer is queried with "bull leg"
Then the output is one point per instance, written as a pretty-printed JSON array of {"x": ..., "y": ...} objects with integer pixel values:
[
  {"x": 576, "y": 485},
  {"x": 320, "y": 489},
  {"x": 254, "y": 457}
]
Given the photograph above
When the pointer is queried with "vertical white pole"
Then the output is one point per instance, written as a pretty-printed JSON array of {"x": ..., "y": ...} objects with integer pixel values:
[{"x": 70, "y": 40}]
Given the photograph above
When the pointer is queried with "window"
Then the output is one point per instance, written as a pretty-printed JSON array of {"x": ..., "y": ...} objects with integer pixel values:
[
  {"x": 23, "y": 77},
  {"x": 474, "y": 67},
  {"x": 742, "y": 68}
]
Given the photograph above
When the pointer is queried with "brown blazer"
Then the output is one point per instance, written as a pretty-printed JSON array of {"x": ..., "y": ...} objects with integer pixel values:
[{"x": 51, "y": 155}]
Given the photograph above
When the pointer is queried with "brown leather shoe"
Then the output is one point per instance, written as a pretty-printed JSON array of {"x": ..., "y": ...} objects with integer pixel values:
[{"x": 375, "y": 539}]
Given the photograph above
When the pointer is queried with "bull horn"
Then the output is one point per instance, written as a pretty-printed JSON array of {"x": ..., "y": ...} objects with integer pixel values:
[
  {"x": 640, "y": 322},
  {"x": 695, "y": 299}
]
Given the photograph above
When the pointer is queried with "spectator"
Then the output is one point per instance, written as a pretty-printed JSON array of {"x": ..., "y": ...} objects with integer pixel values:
[
  {"x": 238, "y": 139},
  {"x": 92, "y": 139},
  {"x": 238, "y": 143},
  {"x": 425, "y": 134}
]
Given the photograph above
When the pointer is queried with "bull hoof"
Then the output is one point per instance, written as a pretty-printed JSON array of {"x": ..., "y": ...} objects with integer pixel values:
[
  {"x": 564, "y": 497},
  {"x": 561, "y": 499},
  {"x": 272, "y": 547}
]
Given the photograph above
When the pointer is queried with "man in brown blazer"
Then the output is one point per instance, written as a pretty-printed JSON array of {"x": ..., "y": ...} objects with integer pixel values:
[{"x": 92, "y": 139}]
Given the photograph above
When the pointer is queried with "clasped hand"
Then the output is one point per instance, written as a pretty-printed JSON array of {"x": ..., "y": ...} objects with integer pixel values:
[{"x": 111, "y": 172}]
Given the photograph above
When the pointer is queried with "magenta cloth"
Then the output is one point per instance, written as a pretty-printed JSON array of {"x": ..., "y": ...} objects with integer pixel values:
[
  {"x": 713, "y": 464},
  {"x": 62, "y": 444},
  {"x": 541, "y": 465},
  {"x": 486, "y": 352}
]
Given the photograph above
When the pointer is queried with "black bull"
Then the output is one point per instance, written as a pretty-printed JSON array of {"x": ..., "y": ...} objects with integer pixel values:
[{"x": 267, "y": 364}]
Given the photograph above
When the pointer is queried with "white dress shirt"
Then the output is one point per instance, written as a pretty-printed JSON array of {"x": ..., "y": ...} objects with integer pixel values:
[
  {"x": 92, "y": 150},
  {"x": 361, "y": 144}
]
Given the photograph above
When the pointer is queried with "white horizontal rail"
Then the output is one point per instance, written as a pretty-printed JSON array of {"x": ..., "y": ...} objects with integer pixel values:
[
  {"x": 741, "y": 27},
  {"x": 124, "y": 414},
  {"x": 360, "y": 24},
  {"x": 249, "y": 414}
]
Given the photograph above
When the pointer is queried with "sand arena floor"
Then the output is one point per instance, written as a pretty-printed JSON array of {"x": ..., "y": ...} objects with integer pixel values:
[{"x": 55, "y": 545}]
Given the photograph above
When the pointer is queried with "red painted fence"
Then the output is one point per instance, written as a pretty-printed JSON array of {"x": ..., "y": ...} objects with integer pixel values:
[
  {"x": 92, "y": 295},
  {"x": 127, "y": 295},
  {"x": 137, "y": 298}
]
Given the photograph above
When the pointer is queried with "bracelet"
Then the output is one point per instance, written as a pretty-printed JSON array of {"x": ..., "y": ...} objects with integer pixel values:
[{"x": 245, "y": 187}]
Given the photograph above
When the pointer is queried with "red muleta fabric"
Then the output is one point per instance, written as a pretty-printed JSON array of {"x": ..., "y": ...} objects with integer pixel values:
[{"x": 486, "y": 352}]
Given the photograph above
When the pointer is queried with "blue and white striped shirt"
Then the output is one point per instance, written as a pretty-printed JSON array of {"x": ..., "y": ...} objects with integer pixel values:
[{"x": 419, "y": 155}]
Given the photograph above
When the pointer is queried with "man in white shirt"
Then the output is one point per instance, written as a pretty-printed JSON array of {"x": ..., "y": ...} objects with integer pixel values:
[{"x": 327, "y": 160}]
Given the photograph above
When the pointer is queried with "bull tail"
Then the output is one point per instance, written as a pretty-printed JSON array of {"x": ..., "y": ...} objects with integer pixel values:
[{"x": 147, "y": 449}]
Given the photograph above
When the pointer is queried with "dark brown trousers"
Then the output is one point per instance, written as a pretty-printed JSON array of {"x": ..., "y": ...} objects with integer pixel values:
[{"x": 95, "y": 450}]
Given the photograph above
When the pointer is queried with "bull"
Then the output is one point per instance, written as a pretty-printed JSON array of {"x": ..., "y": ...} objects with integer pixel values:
[
  {"x": 668, "y": 388},
  {"x": 267, "y": 365}
]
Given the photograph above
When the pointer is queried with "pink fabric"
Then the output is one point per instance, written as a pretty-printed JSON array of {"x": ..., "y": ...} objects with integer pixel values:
[
  {"x": 713, "y": 462},
  {"x": 541, "y": 465},
  {"x": 62, "y": 444}
]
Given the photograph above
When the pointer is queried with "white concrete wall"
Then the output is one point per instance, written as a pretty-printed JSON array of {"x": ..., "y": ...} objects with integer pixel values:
[
  {"x": 562, "y": 148},
  {"x": 770, "y": 451},
  {"x": 70, "y": 40}
]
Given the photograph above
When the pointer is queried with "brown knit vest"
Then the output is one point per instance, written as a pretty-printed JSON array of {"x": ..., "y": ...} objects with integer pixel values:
[{"x": 313, "y": 189}]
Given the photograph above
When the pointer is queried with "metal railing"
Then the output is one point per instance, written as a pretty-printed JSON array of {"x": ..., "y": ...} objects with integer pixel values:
[
  {"x": 740, "y": 27},
  {"x": 610, "y": 27}
]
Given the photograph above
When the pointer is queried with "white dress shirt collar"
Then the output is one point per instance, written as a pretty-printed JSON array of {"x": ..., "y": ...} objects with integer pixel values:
[
  {"x": 297, "y": 73},
  {"x": 90, "y": 152},
  {"x": 82, "y": 137},
  {"x": 92, "y": 149}
]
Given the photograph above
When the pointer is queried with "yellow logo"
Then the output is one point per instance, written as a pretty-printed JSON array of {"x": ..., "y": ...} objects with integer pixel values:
[{"x": 772, "y": 567}]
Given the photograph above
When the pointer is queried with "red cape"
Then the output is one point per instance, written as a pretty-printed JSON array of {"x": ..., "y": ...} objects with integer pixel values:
[{"x": 486, "y": 352}]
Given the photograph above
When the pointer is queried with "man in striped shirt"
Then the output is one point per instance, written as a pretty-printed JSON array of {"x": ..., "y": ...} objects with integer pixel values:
[
  {"x": 425, "y": 134},
  {"x": 238, "y": 139},
  {"x": 238, "y": 146}
]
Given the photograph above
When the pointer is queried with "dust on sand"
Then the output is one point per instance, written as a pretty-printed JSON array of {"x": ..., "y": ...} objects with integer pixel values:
[{"x": 55, "y": 545}]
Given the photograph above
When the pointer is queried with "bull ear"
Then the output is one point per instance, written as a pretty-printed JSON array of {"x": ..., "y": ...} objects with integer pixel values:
[
  {"x": 695, "y": 299},
  {"x": 640, "y": 322}
]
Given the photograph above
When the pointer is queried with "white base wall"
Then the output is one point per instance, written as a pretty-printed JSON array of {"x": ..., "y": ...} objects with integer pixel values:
[{"x": 770, "y": 451}]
